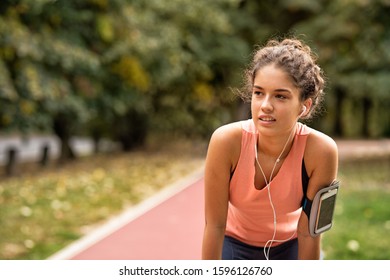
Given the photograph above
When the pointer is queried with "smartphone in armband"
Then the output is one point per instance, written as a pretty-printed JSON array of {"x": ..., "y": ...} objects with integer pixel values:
[
  {"x": 326, "y": 207},
  {"x": 322, "y": 209}
]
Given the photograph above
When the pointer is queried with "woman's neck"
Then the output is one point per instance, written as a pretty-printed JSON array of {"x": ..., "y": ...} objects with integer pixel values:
[{"x": 276, "y": 147}]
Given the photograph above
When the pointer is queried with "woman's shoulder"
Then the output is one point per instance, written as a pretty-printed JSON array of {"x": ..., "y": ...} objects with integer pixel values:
[
  {"x": 321, "y": 160},
  {"x": 228, "y": 132},
  {"x": 225, "y": 144},
  {"x": 320, "y": 142},
  {"x": 320, "y": 150}
]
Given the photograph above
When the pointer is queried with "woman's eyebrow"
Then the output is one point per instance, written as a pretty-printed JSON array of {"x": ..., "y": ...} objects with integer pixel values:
[{"x": 276, "y": 90}]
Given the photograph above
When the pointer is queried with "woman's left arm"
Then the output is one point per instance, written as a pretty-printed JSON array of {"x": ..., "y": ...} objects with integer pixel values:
[{"x": 321, "y": 160}]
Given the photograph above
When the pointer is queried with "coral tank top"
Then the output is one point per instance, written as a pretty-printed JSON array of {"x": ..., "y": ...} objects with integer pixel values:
[{"x": 250, "y": 217}]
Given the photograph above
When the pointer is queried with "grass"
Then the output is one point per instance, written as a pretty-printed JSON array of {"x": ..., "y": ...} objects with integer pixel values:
[
  {"x": 44, "y": 211},
  {"x": 362, "y": 216}
]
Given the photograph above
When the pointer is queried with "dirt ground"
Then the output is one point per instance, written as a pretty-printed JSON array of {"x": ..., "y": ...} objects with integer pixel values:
[{"x": 363, "y": 149}]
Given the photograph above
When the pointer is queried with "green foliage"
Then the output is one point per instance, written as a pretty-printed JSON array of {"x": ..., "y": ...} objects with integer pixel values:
[
  {"x": 101, "y": 63},
  {"x": 173, "y": 62},
  {"x": 40, "y": 65},
  {"x": 352, "y": 40}
]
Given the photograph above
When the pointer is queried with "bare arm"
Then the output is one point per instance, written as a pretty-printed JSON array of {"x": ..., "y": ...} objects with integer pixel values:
[
  {"x": 321, "y": 158},
  {"x": 219, "y": 165}
]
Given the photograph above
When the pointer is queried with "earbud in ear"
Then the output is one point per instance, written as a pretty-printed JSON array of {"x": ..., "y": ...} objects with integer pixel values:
[{"x": 302, "y": 112}]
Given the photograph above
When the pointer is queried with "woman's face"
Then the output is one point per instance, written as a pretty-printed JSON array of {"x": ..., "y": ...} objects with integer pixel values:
[{"x": 276, "y": 104}]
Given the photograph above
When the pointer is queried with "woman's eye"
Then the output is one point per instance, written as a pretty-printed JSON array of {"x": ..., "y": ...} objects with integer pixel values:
[
  {"x": 257, "y": 92},
  {"x": 281, "y": 96}
]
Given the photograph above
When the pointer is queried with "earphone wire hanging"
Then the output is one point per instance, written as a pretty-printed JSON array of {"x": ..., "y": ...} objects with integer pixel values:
[{"x": 268, "y": 186}]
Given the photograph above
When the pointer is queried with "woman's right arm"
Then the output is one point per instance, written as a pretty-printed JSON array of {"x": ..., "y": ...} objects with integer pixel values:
[{"x": 218, "y": 167}]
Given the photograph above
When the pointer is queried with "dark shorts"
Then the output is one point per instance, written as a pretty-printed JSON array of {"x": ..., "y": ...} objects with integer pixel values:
[{"x": 234, "y": 249}]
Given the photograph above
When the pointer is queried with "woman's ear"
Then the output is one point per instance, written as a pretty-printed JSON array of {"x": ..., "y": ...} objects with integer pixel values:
[{"x": 306, "y": 107}]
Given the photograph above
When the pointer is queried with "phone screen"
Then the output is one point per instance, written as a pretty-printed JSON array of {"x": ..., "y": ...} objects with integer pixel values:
[{"x": 325, "y": 214}]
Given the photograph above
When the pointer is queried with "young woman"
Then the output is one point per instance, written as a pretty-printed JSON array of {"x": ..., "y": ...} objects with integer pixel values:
[{"x": 255, "y": 169}]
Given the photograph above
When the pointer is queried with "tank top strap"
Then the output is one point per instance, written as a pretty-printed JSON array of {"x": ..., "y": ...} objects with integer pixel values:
[
  {"x": 303, "y": 129},
  {"x": 248, "y": 126}
]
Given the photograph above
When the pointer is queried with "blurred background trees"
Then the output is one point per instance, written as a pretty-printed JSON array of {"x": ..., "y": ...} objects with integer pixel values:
[{"x": 124, "y": 70}]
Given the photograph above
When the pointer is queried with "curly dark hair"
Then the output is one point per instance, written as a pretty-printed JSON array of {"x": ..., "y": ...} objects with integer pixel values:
[{"x": 297, "y": 60}]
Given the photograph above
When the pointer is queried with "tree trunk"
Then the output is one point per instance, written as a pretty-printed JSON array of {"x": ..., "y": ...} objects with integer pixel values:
[
  {"x": 367, "y": 105},
  {"x": 45, "y": 151},
  {"x": 11, "y": 163},
  {"x": 132, "y": 130},
  {"x": 61, "y": 129},
  {"x": 339, "y": 127}
]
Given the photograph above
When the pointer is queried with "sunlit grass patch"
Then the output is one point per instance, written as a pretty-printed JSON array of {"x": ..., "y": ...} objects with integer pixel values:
[{"x": 362, "y": 217}]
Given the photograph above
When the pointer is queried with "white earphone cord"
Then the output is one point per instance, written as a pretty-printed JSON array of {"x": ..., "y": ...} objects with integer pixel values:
[{"x": 268, "y": 185}]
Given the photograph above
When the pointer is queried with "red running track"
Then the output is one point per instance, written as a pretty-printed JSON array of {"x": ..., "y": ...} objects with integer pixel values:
[{"x": 172, "y": 230}]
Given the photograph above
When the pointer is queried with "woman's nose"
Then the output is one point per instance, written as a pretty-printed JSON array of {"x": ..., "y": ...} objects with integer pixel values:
[{"x": 266, "y": 104}]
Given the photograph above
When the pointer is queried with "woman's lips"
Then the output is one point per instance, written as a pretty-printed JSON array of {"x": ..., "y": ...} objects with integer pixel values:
[{"x": 266, "y": 118}]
